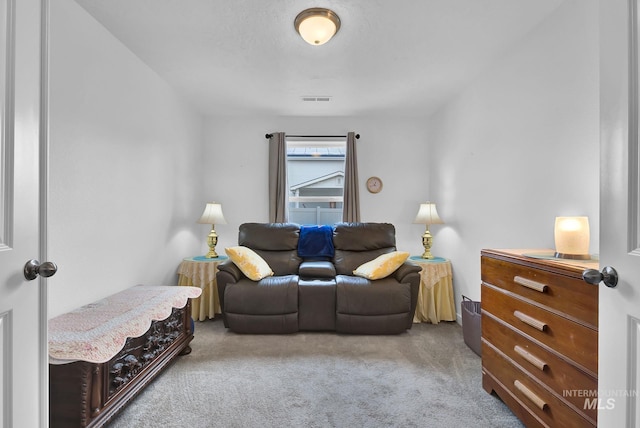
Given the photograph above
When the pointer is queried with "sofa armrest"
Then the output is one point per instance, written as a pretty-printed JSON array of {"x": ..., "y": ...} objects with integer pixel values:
[
  {"x": 405, "y": 269},
  {"x": 409, "y": 272},
  {"x": 229, "y": 267},
  {"x": 228, "y": 273}
]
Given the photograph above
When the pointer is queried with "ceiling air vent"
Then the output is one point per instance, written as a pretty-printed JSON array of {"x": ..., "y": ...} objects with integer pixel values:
[{"x": 314, "y": 99}]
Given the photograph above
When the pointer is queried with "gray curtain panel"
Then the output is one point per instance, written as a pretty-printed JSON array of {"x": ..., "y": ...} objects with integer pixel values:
[
  {"x": 351, "y": 206},
  {"x": 277, "y": 178}
]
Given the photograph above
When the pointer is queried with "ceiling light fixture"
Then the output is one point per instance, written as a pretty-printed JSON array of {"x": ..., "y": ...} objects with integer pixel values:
[{"x": 317, "y": 25}]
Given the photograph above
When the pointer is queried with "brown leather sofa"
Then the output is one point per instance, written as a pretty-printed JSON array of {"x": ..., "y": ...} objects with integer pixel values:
[{"x": 318, "y": 294}]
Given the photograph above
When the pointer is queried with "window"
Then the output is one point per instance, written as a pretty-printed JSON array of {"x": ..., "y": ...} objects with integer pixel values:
[{"x": 315, "y": 175}]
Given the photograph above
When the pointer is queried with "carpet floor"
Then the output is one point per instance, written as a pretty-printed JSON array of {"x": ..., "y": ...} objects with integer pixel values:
[{"x": 426, "y": 377}]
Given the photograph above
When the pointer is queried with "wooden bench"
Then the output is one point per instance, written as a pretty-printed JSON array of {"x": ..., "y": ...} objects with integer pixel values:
[{"x": 103, "y": 354}]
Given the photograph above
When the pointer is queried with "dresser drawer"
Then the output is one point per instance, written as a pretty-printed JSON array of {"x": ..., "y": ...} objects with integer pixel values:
[
  {"x": 560, "y": 293},
  {"x": 537, "y": 399},
  {"x": 577, "y": 342},
  {"x": 555, "y": 372}
]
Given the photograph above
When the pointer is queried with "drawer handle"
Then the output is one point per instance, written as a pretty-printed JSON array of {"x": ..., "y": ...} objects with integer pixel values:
[
  {"x": 538, "y": 325},
  {"x": 530, "y": 357},
  {"x": 534, "y": 285},
  {"x": 539, "y": 402}
]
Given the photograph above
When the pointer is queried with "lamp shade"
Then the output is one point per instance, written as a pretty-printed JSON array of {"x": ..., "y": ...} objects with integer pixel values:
[
  {"x": 572, "y": 237},
  {"x": 428, "y": 214},
  {"x": 212, "y": 214},
  {"x": 317, "y": 25}
]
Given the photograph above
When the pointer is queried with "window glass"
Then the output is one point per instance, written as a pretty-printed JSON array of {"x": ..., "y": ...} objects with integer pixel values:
[{"x": 315, "y": 174}]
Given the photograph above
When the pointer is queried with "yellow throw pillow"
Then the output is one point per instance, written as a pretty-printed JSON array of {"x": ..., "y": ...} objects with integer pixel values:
[
  {"x": 249, "y": 262},
  {"x": 382, "y": 266}
]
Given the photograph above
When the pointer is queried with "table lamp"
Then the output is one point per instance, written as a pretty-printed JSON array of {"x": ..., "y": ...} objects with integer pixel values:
[
  {"x": 572, "y": 238},
  {"x": 427, "y": 215},
  {"x": 212, "y": 215}
]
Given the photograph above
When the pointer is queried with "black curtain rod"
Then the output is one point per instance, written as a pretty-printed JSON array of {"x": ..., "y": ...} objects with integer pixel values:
[{"x": 268, "y": 136}]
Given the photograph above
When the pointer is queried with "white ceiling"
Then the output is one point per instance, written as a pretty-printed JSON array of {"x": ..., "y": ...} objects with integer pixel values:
[{"x": 237, "y": 57}]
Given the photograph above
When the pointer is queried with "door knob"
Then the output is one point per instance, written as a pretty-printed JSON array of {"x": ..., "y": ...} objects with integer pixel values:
[
  {"x": 33, "y": 268},
  {"x": 608, "y": 275}
]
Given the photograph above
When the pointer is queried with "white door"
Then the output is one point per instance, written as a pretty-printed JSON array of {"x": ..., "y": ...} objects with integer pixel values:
[
  {"x": 619, "y": 319},
  {"x": 23, "y": 344}
]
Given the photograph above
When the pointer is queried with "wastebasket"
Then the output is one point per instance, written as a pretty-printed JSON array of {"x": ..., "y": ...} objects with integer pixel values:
[{"x": 471, "y": 328}]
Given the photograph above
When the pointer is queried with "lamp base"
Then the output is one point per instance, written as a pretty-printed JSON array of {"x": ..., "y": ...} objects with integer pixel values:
[
  {"x": 212, "y": 240},
  {"x": 427, "y": 241},
  {"x": 211, "y": 254},
  {"x": 572, "y": 256}
]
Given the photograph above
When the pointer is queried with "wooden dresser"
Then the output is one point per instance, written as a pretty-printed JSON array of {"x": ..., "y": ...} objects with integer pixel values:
[{"x": 540, "y": 337}]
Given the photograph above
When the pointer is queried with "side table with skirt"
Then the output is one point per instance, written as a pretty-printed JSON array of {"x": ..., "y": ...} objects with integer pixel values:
[
  {"x": 435, "y": 299},
  {"x": 200, "y": 272}
]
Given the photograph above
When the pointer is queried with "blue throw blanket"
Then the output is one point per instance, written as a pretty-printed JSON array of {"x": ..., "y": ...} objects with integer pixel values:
[{"x": 316, "y": 242}]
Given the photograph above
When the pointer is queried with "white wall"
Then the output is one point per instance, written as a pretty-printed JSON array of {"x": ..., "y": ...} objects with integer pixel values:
[
  {"x": 394, "y": 149},
  {"x": 519, "y": 147},
  {"x": 125, "y": 167}
]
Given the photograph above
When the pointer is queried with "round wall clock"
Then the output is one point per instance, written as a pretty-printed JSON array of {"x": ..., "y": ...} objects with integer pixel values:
[{"x": 374, "y": 184}]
